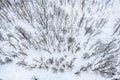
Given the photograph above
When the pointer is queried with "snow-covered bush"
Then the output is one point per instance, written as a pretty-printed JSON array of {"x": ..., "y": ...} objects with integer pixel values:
[{"x": 60, "y": 34}]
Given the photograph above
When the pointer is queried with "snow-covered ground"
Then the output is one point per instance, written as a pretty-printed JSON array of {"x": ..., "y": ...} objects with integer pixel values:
[
  {"x": 59, "y": 40},
  {"x": 13, "y": 72}
]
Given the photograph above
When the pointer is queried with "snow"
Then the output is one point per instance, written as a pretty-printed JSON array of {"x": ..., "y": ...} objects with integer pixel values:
[
  {"x": 35, "y": 38},
  {"x": 13, "y": 72}
]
